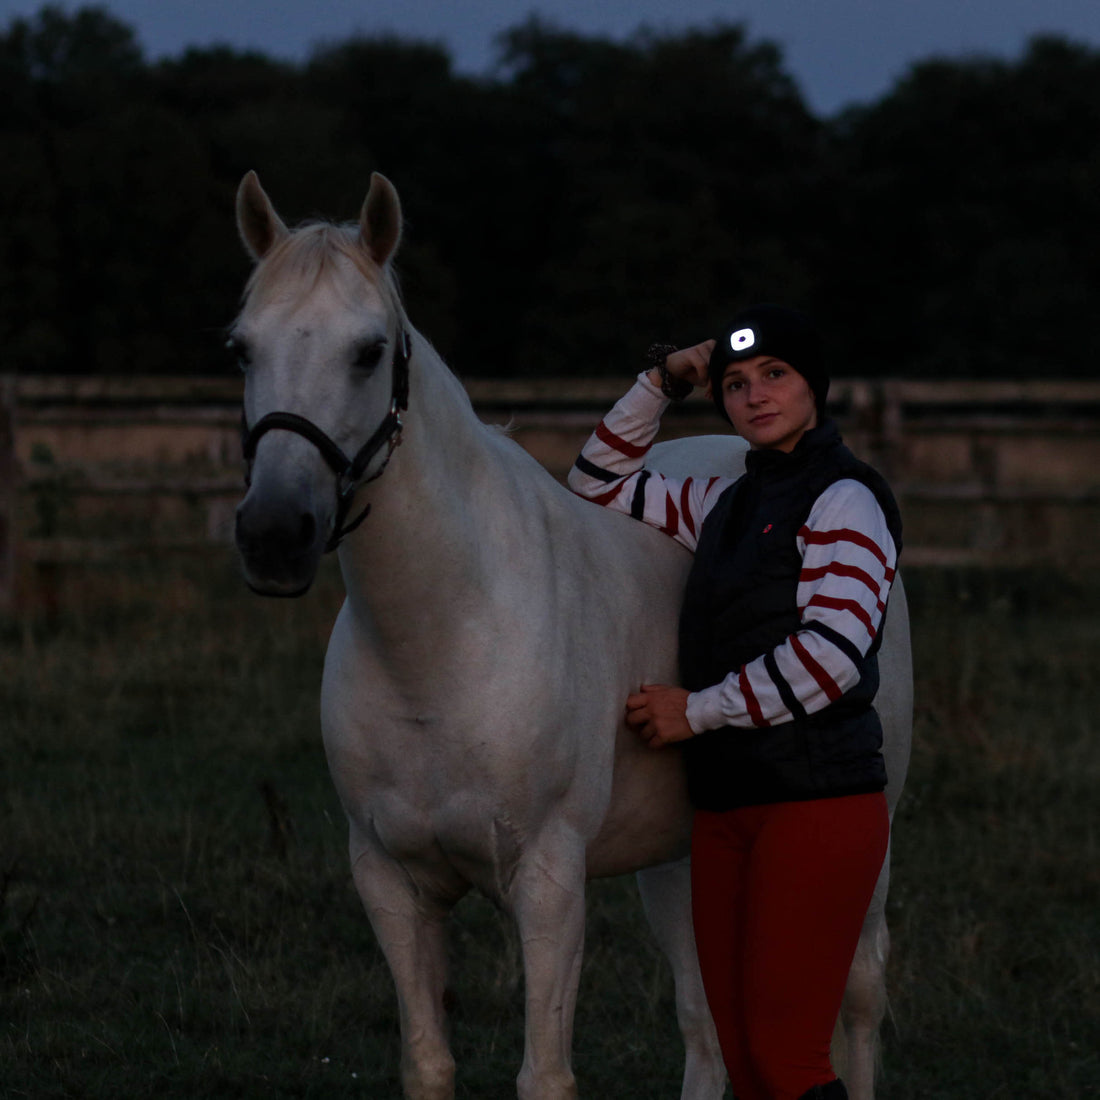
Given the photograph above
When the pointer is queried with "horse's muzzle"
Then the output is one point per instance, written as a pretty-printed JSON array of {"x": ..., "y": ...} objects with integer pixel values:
[{"x": 280, "y": 550}]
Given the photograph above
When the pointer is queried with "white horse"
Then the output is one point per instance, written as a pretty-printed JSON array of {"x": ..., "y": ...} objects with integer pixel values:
[{"x": 493, "y": 625}]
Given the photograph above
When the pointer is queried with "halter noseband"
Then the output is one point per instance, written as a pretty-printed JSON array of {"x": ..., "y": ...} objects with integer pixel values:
[{"x": 349, "y": 471}]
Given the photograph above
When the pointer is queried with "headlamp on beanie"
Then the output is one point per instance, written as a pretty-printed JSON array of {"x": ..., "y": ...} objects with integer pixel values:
[
  {"x": 776, "y": 331},
  {"x": 742, "y": 340}
]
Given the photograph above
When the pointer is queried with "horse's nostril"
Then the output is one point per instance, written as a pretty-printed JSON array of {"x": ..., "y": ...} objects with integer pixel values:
[{"x": 274, "y": 532}]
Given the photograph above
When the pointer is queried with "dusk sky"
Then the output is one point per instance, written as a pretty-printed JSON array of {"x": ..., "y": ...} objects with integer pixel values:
[{"x": 839, "y": 51}]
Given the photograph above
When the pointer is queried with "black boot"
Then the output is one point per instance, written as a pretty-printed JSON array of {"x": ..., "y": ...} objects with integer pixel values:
[{"x": 834, "y": 1090}]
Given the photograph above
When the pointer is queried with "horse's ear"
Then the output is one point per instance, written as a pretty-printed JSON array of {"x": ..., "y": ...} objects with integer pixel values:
[
  {"x": 380, "y": 219},
  {"x": 258, "y": 224}
]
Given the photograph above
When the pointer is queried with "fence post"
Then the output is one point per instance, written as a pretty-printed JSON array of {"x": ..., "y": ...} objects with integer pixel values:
[{"x": 8, "y": 491}]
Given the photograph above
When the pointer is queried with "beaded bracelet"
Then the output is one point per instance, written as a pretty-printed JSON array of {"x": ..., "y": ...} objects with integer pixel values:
[{"x": 675, "y": 388}]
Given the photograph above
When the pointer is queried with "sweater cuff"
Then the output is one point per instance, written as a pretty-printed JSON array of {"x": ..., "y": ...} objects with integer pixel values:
[
  {"x": 704, "y": 710},
  {"x": 660, "y": 401}
]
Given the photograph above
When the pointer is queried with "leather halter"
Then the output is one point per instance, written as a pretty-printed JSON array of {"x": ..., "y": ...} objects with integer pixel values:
[{"x": 349, "y": 471}]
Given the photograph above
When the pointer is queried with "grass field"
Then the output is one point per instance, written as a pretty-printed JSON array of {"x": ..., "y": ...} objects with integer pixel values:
[{"x": 177, "y": 917}]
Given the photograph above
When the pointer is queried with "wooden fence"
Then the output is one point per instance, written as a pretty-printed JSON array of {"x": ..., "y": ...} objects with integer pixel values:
[{"x": 97, "y": 469}]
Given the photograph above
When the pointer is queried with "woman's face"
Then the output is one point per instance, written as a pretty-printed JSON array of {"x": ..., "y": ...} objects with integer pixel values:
[{"x": 770, "y": 404}]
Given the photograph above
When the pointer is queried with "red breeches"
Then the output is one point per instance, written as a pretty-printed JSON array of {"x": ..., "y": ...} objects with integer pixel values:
[{"x": 779, "y": 893}]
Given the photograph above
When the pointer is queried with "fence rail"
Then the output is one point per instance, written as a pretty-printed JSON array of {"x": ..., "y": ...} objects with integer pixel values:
[{"x": 987, "y": 473}]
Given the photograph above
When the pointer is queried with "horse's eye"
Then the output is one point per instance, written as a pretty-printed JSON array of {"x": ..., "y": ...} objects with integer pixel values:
[
  {"x": 368, "y": 356},
  {"x": 240, "y": 351}
]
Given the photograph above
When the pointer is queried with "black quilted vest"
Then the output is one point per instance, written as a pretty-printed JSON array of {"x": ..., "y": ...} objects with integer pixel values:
[{"x": 740, "y": 603}]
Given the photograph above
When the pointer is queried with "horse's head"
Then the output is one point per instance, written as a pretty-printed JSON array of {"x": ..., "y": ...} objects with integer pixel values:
[{"x": 323, "y": 344}]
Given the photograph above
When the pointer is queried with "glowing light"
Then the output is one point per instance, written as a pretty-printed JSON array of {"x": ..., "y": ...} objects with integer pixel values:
[{"x": 742, "y": 339}]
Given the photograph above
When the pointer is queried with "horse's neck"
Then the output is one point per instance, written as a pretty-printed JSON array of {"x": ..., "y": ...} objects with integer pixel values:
[{"x": 423, "y": 547}]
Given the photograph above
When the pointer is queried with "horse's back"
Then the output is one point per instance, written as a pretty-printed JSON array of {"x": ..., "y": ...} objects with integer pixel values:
[{"x": 699, "y": 456}]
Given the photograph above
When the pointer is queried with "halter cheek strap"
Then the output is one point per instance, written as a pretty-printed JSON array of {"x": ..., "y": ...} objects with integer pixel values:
[{"x": 349, "y": 471}]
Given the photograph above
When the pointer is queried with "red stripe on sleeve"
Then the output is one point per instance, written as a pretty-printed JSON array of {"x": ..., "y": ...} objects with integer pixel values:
[
  {"x": 824, "y": 680},
  {"x": 685, "y": 510},
  {"x": 844, "y": 605},
  {"x": 756, "y": 716},
  {"x": 630, "y": 450},
  {"x": 672, "y": 519},
  {"x": 608, "y": 497},
  {"x": 839, "y": 569},
  {"x": 843, "y": 534}
]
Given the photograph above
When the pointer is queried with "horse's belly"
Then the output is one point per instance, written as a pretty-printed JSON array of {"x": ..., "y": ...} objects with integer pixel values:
[{"x": 648, "y": 820}]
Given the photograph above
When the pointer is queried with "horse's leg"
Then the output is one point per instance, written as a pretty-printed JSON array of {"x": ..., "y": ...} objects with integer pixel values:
[
  {"x": 411, "y": 933},
  {"x": 547, "y": 901},
  {"x": 864, "y": 1002},
  {"x": 666, "y": 899}
]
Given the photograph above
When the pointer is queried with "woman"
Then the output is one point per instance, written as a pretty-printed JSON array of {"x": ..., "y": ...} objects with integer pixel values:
[{"x": 781, "y": 621}]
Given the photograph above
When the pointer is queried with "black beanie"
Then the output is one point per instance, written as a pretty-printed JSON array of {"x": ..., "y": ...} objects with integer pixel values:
[{"x": 776, "y": 331}]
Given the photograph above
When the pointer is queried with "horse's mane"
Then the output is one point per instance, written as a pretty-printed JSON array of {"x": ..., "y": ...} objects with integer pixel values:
[{"x": 309, "y": 254}]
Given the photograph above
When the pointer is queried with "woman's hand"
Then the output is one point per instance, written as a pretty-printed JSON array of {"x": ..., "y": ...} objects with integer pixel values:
[
  {"x": 658, "y": 713},
  {"x": 688, "y": 363}
]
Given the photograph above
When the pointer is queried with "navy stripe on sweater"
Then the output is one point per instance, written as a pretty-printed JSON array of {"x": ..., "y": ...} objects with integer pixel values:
[
  {"x": 592, "y": 470},
  {"x": 790, "y": 700},
  {"x": 845, "y": 645},
  {"x": 637, "y": 505}
]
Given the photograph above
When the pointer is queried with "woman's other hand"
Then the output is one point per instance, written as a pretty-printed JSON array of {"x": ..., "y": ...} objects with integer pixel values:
[
  {"x": 658, "y": 713},
  {"x": 688, "y": 363},
  {"x": 691, "y": 363}
]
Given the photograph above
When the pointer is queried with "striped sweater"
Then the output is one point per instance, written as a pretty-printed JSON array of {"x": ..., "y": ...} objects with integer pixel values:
[{"x": 848, "y": 563}]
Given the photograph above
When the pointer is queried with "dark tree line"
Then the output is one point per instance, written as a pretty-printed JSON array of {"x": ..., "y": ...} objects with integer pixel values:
[{"x": 589, "y": 198}]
